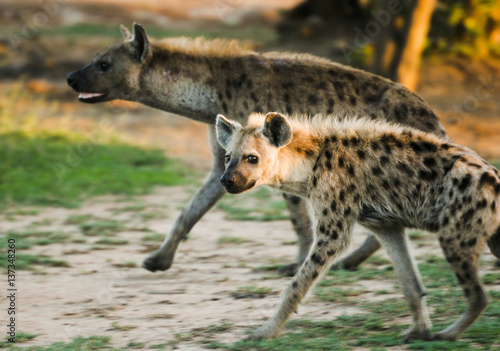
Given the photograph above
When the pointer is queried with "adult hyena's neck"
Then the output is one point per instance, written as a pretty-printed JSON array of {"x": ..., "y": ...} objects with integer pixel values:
[
  {"x": 195, "y": 85},
  {"x": 179, "y": 83}
]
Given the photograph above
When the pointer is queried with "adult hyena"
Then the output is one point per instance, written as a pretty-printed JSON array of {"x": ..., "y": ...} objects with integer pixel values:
[
  {"x": 199, "y": 79},
  {"x": 386, "y": 177}
]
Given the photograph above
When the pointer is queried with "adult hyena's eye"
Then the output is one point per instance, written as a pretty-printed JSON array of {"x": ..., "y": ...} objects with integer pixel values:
[
  {"x": 103, "y": 66},
  {"x": 253, "y": 159},
  {"x": 228, "y": 158}
]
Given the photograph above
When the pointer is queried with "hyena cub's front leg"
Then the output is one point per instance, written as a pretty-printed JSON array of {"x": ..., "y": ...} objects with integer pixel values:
[
  {"x": 302, "y": 225},
  {"x": 329, "y": 243}
]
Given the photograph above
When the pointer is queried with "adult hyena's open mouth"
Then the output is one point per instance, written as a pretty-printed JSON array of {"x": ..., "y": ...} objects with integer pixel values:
[{"x": 92, "y": 97}]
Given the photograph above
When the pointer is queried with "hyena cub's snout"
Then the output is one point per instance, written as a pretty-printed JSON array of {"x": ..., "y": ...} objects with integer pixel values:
[
  {"x": 227, "y": 180},
  {"x": 234, "y": 182}
]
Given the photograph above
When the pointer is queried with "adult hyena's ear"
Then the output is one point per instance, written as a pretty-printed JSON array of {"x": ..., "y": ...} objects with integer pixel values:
[
  {"x": 225, "y": 130},
  {"x": 277, "y": 129},
  {"x": 139, "y": 44},
  {"x": 126, "y": 33}
]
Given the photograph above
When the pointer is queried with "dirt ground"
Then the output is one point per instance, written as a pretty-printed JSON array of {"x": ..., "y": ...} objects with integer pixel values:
[
  {"x": 104, "y": 291},
  {"x": 88, "y": 297}
]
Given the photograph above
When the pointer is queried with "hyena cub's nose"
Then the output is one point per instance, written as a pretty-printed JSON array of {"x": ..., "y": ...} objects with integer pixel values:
[{"x": 226, "y": 179}]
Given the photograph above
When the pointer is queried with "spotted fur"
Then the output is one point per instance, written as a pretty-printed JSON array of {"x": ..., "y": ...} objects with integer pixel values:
[
  {"x": 375, "y": 173},
  {"x": 200, "y": 78}
]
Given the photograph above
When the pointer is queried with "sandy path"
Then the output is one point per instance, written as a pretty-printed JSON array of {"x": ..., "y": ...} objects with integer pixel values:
[
  {"x": 86, "y": 298},
  {"x": 178, "y": 307}
]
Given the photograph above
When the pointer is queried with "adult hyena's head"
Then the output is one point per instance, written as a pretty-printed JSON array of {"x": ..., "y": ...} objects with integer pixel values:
[
  {"x": 252, "y": 151},
  {"x": 113, "y": 73}
]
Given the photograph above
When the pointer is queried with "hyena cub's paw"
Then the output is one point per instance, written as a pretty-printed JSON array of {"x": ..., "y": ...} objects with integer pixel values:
[{"x": 267, "y": 331}]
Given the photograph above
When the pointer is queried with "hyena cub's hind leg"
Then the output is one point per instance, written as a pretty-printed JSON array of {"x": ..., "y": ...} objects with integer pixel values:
[
  {"x": 462, "y": 251},
  {"x": 396, "y": 242}
]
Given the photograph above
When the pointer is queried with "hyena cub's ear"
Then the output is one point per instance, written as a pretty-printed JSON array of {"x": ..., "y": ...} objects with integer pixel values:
[
  {"x": 225, "y": 130},
  {"x": 139, "y": 44},
  {"x": 277, "y": 129}
]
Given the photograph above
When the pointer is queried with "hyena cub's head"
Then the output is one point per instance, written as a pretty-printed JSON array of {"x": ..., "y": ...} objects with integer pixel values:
[
  {"x": 113, "y": 73},
  {"x": 252, "y": 151}
]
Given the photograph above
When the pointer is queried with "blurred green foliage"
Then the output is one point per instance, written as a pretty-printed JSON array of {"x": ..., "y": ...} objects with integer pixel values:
[
  {"x": 50, "y": 169},
  {"x": 470, "y": 28}
]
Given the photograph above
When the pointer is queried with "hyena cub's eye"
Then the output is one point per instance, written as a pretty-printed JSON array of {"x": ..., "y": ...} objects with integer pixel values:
[
  {"x": 103, "y": 66},
  {"x": 252, "y": 159},
  {"x": 228, "y": 158}
]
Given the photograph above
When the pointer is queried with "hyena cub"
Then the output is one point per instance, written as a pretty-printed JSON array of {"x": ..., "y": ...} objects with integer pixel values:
[{"x": 372, "y": 172}]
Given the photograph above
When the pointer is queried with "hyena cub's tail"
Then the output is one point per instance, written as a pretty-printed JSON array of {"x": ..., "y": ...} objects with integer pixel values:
[{"x": 494, "y": 243}]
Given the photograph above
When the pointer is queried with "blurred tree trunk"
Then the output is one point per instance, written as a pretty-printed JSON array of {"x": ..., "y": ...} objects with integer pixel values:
[
  {"x": 411, "y": 55},
  {"x": 397, "y": 47}
]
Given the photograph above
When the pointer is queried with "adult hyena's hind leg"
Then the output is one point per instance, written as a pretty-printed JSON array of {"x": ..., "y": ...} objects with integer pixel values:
[
  {"x": 361, "y": 254},
  {"x": 462, "y": 252},
  {"x": 494, "y": 243}
]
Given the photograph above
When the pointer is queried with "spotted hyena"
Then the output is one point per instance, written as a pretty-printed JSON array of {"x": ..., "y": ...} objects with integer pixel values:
[
  {"x": 387, "y": 177},
  {"x": 198, "y": 79}
]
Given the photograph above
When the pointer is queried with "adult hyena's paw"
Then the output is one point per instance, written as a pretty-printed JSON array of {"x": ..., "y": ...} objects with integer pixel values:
[
  {"x": 158, "y": 261},
  {"x": 267, "y": 331},
  {"x": 289, "y": 270},
  {"x": 445, "y": 335},
  {"x": 414, "y": 333}
]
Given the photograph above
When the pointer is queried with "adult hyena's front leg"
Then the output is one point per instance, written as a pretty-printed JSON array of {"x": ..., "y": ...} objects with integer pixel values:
[
  {"x": 329, "y": 244},
  {"x": 210, "y": 192}
]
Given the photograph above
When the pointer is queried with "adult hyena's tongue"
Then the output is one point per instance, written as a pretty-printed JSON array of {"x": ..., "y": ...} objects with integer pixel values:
[{"x": 84, "y": 96}]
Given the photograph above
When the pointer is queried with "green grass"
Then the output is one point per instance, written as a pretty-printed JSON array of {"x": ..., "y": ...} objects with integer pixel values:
[
  {"x": 156, "y": 237},
  {"x": 336, "y": 294},
  {"x": 78, "y": 343},
  {"x": 23, "y": 212},
  {"x": 417, "y": 235},
  {"x": 257, "y": 205},
  {"x": 20, "y": 338},
  {"x": 378, "y": 327},
  {"x": 128, "y": 264},
  {"x": 27, "y": 261},
  {"x": 101, "y": 227},
  {"x": 231, "y": 240},
  {"x": 252, "y": 292},
  {"x": 110, "y": 241},
  {"x": 267, "y": 268},
  {"x": 25, "y": 240},
  {"x": 63, "y": 170},
  {"x": 131, "y": 208},
  {"x": 116, "y": 326},
  {"x": 78, "y": 219},
  {"x": 256, "y": 33},
  {"x": 372, "y": 269},
  {"x": 135, "y": 345}
]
